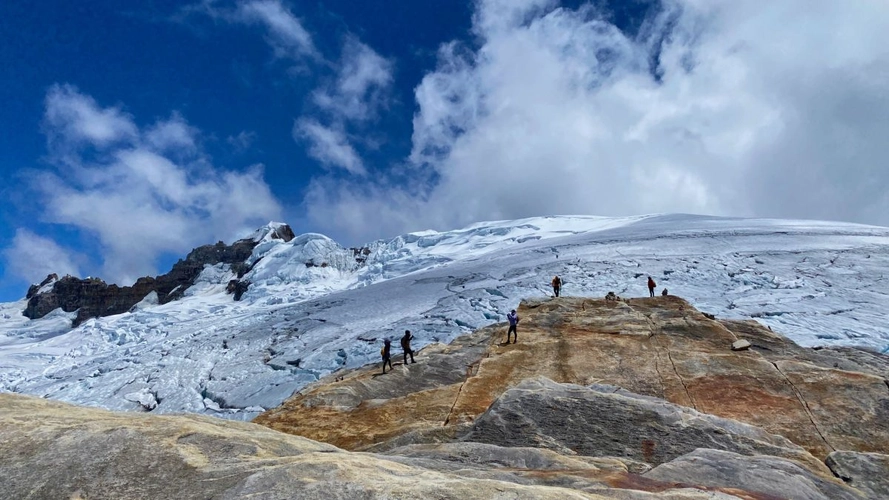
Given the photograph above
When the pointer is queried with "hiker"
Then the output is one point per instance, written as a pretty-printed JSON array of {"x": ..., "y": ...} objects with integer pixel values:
[
  {"x": 406, "y": 346},
  {"x": 513, "y": 322},
  {"x": 557, "y": 285},
  {"x": 385, "y": 353},
  {"x": 664, "y": 293},
  {"x": 651, "y": 285}
]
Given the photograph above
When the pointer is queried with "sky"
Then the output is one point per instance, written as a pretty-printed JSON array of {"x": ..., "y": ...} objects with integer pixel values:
[{"x": 132, "y": 133}]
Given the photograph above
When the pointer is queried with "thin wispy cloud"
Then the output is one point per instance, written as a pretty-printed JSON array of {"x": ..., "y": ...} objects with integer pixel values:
[
  {"x": 242, "y": 141},
  {"x": 328, "y": 145},
  {"x": 715, "y": 107},
  {"x": 362, "y": 79},
  {"x": 358, "y": 92},
  {"x": 151, "y": 192},
  {"x": 285, "y": 31}
]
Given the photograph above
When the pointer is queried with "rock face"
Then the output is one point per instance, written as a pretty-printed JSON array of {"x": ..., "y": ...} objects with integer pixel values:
[
  {"x": 92, "y": 297},
  {"x": 683, "y": 388},
  {"x": 608, "y": 421},
  {"x": 762, "y": 474},
  {"x": 635, "y": 399},
  {"x": 51, "y": 450}
]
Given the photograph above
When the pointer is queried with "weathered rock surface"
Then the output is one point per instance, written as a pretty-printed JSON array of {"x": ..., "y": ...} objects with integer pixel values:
[
  {"x": 820, "y": 399},
  {"x": 761, "y": 475},
  {"x": 867, "y": 472},
  {"x": 631, "y": 399},
  {"x": 52, "y": 450},
  {"x": 608, "y": 421}
]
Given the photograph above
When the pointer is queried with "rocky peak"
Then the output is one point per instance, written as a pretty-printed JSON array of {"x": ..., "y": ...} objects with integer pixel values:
[{"x": 92, "y": 297}]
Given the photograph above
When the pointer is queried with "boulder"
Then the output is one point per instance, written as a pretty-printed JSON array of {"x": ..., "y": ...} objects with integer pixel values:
[{"x": 740, "y": 345}]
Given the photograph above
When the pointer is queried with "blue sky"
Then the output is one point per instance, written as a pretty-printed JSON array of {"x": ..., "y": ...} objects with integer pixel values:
[{"x": 131, "y": 134}]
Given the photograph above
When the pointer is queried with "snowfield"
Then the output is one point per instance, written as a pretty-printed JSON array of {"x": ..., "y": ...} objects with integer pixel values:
[{"x": 311, "y": 310}]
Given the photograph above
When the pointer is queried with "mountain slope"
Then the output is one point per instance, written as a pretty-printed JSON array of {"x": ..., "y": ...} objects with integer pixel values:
[{"x": 314, "y": 307}]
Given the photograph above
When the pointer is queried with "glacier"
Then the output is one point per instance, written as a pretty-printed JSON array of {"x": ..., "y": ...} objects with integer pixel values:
[{"x": 313, "y": 309}]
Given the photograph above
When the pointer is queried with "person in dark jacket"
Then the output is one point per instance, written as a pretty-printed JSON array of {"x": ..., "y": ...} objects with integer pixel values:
[
  {"x": 406, "y": 346},
  {"x": 386, "y": 353},
  {"x": 513, "y": 323},
  {"x": 651, "y": 285}
]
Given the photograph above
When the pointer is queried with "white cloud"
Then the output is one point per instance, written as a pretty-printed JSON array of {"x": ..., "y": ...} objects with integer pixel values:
[
  {"x": 72, "y": 117},
  {"x": 759, "y": 109},
  {"x": 328, "y": 145},
  {"x": 363, "y": 77},
  {"x": 33, "y": 257},
  {"x": 172, "y": 134},
  {"x": 140, "y": 202},
  {"x": 286, "y": 32}
]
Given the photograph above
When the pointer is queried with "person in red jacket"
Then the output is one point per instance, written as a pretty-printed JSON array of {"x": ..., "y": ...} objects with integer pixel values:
[{"x": 651, "y": 285}]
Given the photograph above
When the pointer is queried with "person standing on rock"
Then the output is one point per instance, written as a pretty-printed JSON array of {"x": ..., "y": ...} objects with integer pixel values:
[
  {"x": 406, "y": 346},
  {"x": 651, "y": 285},
  {"x": 513, "y": 323},
  {"x": 386, "y": 353},
  {"x": 557, "y": 285}
]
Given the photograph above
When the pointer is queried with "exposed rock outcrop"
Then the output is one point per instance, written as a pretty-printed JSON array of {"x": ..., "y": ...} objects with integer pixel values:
[
  {"x": 608, "y": 421},
  {"x": 761, "y": 474},
  {"x": 683, "y": 388},
  {"x": 820, "y": 399},
  {"x": 637, "y": 399},
  {"x": 92, "y": 297},
  {"x": 52, "y": 450}
]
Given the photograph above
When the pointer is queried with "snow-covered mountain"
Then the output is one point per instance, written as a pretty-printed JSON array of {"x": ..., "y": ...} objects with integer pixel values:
[{"x": 314, "y": 307}]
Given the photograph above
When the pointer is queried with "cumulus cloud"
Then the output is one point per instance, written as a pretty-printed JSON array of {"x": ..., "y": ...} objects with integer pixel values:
[
  {"x": 328, "y": 145},
  {"x": 721, "y": 107},
  {"x": 138, "y": 198},
  {"x": 33, "y": 257}
]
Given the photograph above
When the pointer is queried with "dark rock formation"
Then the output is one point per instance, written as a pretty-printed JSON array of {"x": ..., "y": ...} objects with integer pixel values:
[
  {"x": 92, "y": 297},
  {"x": 864, "y": 471}
]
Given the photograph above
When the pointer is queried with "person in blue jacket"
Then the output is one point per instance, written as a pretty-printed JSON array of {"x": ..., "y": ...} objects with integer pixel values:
[{"x": 513, "y": 323}]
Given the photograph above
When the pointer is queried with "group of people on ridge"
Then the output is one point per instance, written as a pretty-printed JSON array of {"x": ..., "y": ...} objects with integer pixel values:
[
  {"x": 512, "y": 317},
  {"x": 386, "y": 351},
  {"x": 556, "y": 283}
]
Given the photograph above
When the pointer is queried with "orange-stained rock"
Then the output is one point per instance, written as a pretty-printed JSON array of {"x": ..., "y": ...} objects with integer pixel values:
[{"x": 822, "y": 400}]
